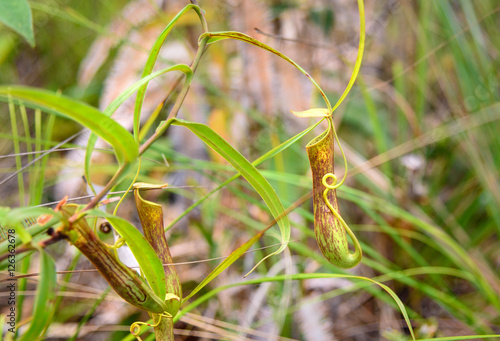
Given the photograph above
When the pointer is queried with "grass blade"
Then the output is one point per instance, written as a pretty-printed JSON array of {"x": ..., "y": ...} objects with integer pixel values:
[
  {"x": 126, "y": 149},
  {"x": 19, "y": 166},
  {"x": 302, "y": 276},
  {"x": 226, "y": 263},
  {"x": 150, "y": 63},
  {"x": 45, "y": 298}
]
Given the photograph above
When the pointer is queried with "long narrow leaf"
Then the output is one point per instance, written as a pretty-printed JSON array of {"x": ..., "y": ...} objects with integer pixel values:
[
  {"x": 149, "y": 262},
  {"x": 225, "y": 264},
  {"x": 113, "y": 106},
  {"x": 217, "y": 36},
  {"x": 19, "y": 167},
  {"x": 303, "y": 276},
  {"x": 359, "y": 58},
  {"x": 13, "y": 218},
  {"x": 45, "y": 298},
  {"x": 258, "y": 161},
  {"x": 17, "y": 15},
  {"x": 461, "y": 338},
  {"x": 119, "y": 138},
  {"x": 249, "y": 172},
  {"x": 150, "y": 63}
]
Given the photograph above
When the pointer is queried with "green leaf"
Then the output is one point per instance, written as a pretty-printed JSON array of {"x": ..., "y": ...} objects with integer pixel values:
[
  {"x": 150, "y": 63},
  {"x": 249, "y": 172},
  {"x": 2, "y": 322},
  {"x": 16, "y": 14},
  {"x": 7, "y": 222},
  {"x": 461, "y": 338},
  {"x": 217, "y": 36},
  {"x": 149, "y": 262},
  {"x": 45, "y": 298},
  {"x": 126, "y": 149},
  {"x": 13, "y": 218},
  {"x": 359, "y": 57},
  {"x": 113, "y": 106},
  {"x": 271, "y": 153}
]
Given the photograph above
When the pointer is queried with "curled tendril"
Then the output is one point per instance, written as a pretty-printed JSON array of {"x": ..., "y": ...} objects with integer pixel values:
[
  {"x": 118, "y": 244},
  {"x": 328, "y": 187},
  {"x": 135, "y": 328}
]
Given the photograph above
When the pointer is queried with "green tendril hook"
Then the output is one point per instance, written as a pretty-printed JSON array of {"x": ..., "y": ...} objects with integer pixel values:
[
  {"x": 351, "y": 259},
  {"x": 135, "y": 328}
]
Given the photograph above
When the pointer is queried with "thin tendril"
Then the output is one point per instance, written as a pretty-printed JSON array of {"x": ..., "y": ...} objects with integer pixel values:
[
  {"x": 343, "y": 156},
  {"x": 359, "y": 58},
  {"x": 329, "y": 187},
  {"x": 118, "y": 244},
  {"x": 135, "y": 328},
  {"x": 129, "y": 187}
]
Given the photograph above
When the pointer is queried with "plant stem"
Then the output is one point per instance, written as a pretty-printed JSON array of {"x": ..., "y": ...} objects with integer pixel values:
[
  {"x": 160, "y": 106},
  {"x": 164, "y": 331},
  {"x": 101, "y": 194},
  {"x": 178, "y": 103},
  {"x": 204, "y": 23},
  {"x": 185, "y": 89}
]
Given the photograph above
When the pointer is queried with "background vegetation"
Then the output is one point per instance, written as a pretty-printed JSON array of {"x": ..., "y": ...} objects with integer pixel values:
[{"x": 420, "y": 132}]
